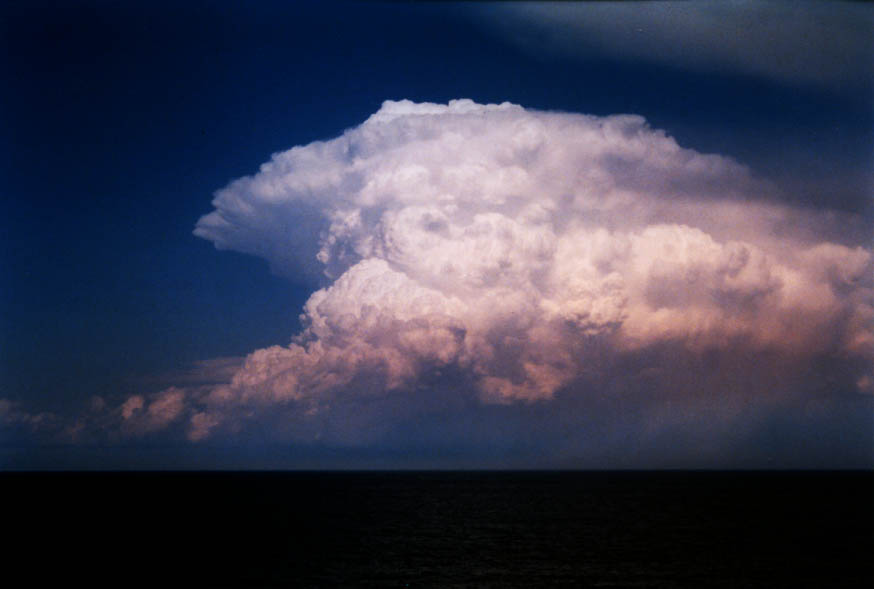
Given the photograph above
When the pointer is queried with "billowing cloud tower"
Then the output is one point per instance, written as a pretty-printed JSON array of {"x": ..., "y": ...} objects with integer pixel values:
[{"x": 518, "y": 256}]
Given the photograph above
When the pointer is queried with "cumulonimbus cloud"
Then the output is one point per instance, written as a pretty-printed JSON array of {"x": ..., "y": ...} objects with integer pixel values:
[{"x": 521, "y": 258}]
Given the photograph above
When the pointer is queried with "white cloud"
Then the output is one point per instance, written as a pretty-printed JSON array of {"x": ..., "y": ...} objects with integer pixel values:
[
  {"x": 485, "y": 273},
  {"x": 521, "y": 252},
  {"x": 473, "y": 262}
]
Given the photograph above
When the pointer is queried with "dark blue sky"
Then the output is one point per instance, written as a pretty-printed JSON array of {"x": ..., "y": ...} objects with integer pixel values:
[{"x": 118, "y": 121}]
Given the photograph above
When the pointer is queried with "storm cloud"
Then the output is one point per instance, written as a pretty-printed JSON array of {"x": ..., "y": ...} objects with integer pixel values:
[{"x": 487, "y": 275}]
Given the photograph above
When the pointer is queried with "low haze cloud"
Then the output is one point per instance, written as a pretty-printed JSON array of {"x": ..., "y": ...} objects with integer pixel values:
[{"x": 486, "y": 276}]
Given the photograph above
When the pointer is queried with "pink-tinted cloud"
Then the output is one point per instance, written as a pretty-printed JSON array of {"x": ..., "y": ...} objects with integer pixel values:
[
  {"x": 140, "y": 415},
  {"x": 13, "y": 415},
  {"x": 524, "y": 253}
]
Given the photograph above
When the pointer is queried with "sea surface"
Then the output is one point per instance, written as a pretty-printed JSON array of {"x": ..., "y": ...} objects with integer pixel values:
[{"x": 439, "y": 529}]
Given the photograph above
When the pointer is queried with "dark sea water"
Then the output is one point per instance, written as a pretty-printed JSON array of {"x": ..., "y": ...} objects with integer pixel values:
[{"x": 440, "y": 529}]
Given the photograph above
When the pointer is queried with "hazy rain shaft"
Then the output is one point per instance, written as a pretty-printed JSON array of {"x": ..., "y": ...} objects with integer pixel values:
[{"x": 516, "y": 256}]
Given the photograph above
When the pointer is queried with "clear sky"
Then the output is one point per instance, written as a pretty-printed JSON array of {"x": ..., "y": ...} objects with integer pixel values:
[{"x": 536, "y": 284}]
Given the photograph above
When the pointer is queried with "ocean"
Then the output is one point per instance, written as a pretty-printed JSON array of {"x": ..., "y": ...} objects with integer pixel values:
[{"x": 440, "y": 529}]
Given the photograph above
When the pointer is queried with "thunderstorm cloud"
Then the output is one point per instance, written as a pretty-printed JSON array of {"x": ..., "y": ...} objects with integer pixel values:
[{"x": 547, "y": 272}]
